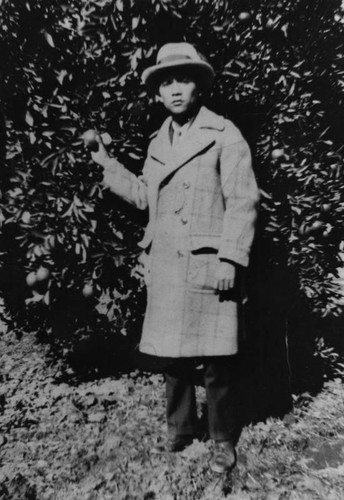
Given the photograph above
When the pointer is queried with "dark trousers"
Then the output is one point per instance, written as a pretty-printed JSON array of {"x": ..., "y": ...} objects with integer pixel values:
[{"x": 220, "y": 374}]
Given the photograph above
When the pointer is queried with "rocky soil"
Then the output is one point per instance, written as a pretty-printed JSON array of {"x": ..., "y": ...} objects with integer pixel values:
[{"x": 91, "y": 441}]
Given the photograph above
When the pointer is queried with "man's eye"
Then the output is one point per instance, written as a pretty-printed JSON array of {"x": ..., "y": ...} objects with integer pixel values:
[{"x": 165, "y": 83}]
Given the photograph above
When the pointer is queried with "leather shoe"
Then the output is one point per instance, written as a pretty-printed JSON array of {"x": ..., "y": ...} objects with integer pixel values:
[
  {"x": 224, "y": 457},
  {"x": 173, "y": 445}
]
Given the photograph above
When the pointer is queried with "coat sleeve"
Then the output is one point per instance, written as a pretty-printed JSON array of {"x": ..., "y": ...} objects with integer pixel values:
[
  {"x": 125, "y": 184},
  {"x": 241, "y": 195}
]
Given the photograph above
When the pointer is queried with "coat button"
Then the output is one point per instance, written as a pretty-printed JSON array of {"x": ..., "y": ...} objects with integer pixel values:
[
  {"x": 186, "y": 184},
  {"x": 184, "y": 221}
]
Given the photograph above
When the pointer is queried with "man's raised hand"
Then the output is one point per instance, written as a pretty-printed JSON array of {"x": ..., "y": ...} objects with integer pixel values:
[{"x": 95, "y": 143}]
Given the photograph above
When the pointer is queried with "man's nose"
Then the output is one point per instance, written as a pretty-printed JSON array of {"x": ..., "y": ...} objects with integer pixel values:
[{"x": 175, "y": 87}]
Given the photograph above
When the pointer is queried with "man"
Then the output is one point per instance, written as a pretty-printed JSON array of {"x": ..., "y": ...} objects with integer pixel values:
[{"x": 200, "y": 190}]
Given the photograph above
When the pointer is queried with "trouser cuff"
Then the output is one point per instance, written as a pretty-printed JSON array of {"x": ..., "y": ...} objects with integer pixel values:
[{"x": 180, "y": 431}]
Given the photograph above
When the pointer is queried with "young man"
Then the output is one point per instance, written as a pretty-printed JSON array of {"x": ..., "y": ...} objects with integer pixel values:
[{"x": 201, "y": 193}]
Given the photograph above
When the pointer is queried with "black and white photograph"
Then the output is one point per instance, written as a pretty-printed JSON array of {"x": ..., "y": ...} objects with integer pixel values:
[{"x": 171, "y": 249}]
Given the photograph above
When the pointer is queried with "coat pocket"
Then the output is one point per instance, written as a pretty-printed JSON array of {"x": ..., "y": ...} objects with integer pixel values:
[
  {"x": 204, "y": 241},
  {"x": 201, "y": 270}
]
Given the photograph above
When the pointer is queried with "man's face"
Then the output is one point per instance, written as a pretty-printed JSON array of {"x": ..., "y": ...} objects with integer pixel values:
[{"x": 179, "y": 93}]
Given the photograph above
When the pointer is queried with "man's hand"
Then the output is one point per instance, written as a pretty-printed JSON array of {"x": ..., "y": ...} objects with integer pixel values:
[
  {"x": 101, "y": 155},
  {"x": 94, "y": 143},
  {"x": 224, "y": 276}
]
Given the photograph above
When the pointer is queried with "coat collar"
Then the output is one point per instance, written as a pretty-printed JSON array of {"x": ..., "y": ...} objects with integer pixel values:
[
  {"x": 204, "y": 119},
  {"x": 199, "y": 137}
]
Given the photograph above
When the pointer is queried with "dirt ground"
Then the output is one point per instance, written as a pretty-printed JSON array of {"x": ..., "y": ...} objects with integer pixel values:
[{"x": 91, "y": 441}]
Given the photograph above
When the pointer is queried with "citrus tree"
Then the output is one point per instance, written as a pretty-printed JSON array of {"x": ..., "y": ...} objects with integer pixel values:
[{"x": 69, "y": 246}]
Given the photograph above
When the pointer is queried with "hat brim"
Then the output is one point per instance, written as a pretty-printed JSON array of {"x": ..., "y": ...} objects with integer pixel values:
[{"x": 202, "y": 71}]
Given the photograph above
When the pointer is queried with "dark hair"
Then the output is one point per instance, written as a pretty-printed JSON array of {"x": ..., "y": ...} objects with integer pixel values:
[{"x": 191, "y": 72}]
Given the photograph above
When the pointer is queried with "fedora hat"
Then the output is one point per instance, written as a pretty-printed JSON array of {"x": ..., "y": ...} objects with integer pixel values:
[{"x": 179, "y": 56}]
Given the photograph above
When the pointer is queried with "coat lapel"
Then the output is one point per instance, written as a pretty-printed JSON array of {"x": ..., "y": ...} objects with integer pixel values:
[
  {"x": 199, "y": 138},
  {"x": 161, "y": 148}
]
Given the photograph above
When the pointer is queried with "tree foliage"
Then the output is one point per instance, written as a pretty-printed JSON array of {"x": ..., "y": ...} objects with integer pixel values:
[{"x": 73, "y": 65}]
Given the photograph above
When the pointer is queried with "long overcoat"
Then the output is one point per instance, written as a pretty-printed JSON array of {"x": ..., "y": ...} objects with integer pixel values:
[{"x": 202, "y": 200}]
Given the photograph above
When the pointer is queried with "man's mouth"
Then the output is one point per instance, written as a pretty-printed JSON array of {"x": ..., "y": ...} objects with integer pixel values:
[{"x": 177, "y": 102}]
